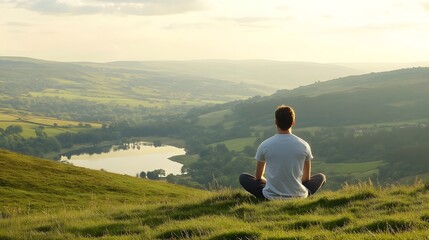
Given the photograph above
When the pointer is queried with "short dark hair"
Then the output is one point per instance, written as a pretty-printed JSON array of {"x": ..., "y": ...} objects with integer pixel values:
[{"x": 285, "y": 117}]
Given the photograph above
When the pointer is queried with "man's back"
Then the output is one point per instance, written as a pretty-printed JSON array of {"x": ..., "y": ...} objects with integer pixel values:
[
  {"x": 286, "y": 161},
  {"x": 284, "y": 155}
]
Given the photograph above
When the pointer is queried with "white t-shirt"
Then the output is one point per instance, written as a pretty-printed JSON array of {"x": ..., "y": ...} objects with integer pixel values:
[{"x": 284, "y": 155}]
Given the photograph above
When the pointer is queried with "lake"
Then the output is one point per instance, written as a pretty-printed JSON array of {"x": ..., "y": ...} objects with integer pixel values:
[{"x": 131, "y": 160}]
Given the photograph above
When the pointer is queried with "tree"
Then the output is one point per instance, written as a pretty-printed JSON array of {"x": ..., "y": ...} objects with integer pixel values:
[
  {"x": 155, "y": 174},
  {"x": 142, "y": 174},
  {"x": 170, "y": 178},
  {"x": 13, "y": 129},
  {"x": 160, "y": 172},
  {"x": 152, "y": 175},
  {"x": 40, "y": 133}
]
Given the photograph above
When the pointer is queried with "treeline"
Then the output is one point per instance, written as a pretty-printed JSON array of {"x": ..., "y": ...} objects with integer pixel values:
[
  {"x": 10, "y": 138},
  {"x": 76, "y": 110},
  {"x": 366, "y": 106}
]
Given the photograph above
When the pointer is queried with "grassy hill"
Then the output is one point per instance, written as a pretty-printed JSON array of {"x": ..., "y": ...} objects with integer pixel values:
[
  {"x": 42, "y": 199},
  {"x": 30, "y": 184}
]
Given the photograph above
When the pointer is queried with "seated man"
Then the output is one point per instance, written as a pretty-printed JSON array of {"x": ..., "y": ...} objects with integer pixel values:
[{"x": 286, "y": 161}]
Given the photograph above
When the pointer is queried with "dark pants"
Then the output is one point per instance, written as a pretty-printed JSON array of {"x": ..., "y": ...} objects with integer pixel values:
[{"x": 255, "y": 187}]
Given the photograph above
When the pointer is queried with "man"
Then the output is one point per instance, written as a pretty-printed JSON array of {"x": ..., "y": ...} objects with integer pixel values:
[{"x": 286, "y": 161}]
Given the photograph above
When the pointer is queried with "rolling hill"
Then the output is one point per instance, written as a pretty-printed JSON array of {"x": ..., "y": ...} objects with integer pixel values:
[
  {"x": 42, "y": 199},
  {"x": 354, "y": 100},
  {"x": 115, "y": 84}
]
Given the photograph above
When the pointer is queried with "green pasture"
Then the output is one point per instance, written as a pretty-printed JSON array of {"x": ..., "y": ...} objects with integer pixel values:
[
  {"x": 237, "y": 144},
  {"x": 363, "y": 170},
  {"x": 105, "y": 98},
  {"x": 213, "y": 118},
  {"x": 29, "y": 123},
  {"x": 347, "y": 168},
  {"x": 153, "y": 100}
]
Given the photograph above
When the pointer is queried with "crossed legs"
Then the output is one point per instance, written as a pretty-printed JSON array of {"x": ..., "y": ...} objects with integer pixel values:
[{"x": 255, "y": 187}]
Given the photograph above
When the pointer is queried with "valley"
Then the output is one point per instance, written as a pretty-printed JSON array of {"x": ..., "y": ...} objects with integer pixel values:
[{"x": 351, "y": 122}]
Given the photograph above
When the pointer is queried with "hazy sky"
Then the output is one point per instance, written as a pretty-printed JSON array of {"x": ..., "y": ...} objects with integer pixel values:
[{"x": 300, "y": 30}]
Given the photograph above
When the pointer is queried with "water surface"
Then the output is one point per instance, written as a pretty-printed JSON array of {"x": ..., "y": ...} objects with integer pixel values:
[{"x": 139, "y": 157}]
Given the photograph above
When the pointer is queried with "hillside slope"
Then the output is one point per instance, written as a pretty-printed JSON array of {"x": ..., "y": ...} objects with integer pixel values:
[
  {"x": 362, "y": 99},
  {"x": 34, "y": 184},
  {"x": 120, "y": 207}
]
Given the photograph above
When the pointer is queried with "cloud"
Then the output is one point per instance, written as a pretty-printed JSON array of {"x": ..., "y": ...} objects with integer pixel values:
[
  {"x": 425, "y": 5},
  {"x": 246, "y": 20},
  {"x": 131, "y": 7},
  {"x": 17, "y": 24},
  {"x": 254, "y": 22}
]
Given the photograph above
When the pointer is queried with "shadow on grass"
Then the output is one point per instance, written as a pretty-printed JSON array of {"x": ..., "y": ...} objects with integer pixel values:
[
  {"x": 186, "y": 233},
  {"x": 5, "y": 238},
  {"x": 329, "y": 203},
  {"x": 329, "y": 225},
  {"x": 112, "y": 229},
  {"x": 237, "y": 235},
  {"x": 393, "y": 206},
  {"x": 388, "y": 225},
  {"x": 425, "y": 218},
  {"x": 218, "y": 205}
]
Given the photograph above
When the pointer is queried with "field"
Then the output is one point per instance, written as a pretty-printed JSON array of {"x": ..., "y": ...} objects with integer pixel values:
[
  {"x": 59, "y": 201},
  {"x": 237, "y": 144},
  {"x": 213, "y": 118},
  {"x": 363, "y": 170},
  {"x": 52, "y": 126}
]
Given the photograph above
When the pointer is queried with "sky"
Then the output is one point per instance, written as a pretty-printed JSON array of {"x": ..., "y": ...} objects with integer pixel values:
[{"x": 286, "y": 30}]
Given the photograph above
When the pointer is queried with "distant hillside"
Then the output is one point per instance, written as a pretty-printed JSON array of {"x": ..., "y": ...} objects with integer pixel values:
[
  {"x": 362, "y": 99},
  {"x": 123, "y": 84},
  {"x": 35, "y": 184},
  {"x": 36, "y": 198},
  {"x": 273, "y": 74},
  {"x": 382, "y": 67}
]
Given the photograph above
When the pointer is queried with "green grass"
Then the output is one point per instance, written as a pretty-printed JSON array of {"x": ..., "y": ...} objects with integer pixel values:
[
  {"x": 37, "y": 184},
  {"x": 237, "y": 144},
  {"x": 213, "y": 118},
  {"x": 30, "y": 122},
  {"x": 347, "y": 168},
  {"x": 42, "y": 199}
]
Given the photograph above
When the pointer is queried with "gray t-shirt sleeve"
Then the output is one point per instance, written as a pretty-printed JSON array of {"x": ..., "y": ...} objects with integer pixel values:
[
  {"x": 309, "y": 156},
  {"x": 259, "y": 156}
]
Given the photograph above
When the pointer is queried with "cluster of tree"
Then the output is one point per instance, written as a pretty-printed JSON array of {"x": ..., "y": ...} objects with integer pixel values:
[
  {"x": 10, "y": 138},
  {"x": 153, "y": 175}
]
